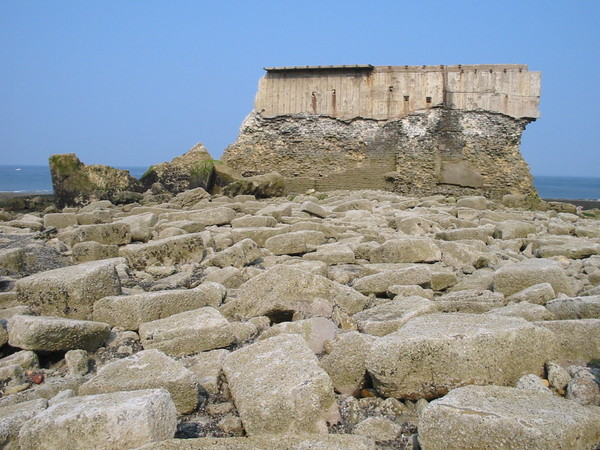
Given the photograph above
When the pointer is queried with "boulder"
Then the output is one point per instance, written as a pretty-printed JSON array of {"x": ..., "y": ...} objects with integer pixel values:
[
  {"x": 75, "y": 183},
  {"x": 574, "y": 339},
  {"x": 239, "y": 254},
  {"x": 315, "y": 331},
  {"x": 116, "y": 420},
  {"x": 140, "y": 225},
  {"x": 116, "y": 233},
  {"x": 332, "y": 254},
  {"x": 12, "y": 260},
  {"x": 295, "y": 243},
  {"x": 473, "y": 202},
  {"x": 435, "y": 353},
  {"x": 279, "y": 388},
  {"x": 191, "y": 170},
  {"x": 575, "y": 308},
  {"x": 148, "y": 369},
  {"x": 291, "y": 442},
  {"x": 482, "y": 233},
  {"x": 53, "y": 334},
  {"x": 70, "y": 291},
  {"x": 169, "y": 251},
  {"x": 192, "y": 332},
  {"x": 512, "y": 278},
  {"x": 207, "y": 367},
  {"x": 60, "y": 220},
  {"x": 514, "y": 229},
  {"x": 538, "y": 294},
  {"x": 261, "y": 186},
  {"x": 189, "y": 198},
  {"x": 257, "y": 234},
  {"x": 409, "y": 250},
  {"x": 345, "y": 362},
  {"x": 389, "y": 317},
  {"x": 130, "y": 311},
  {"x": 13, "y": 417},
  {"x": 504, "y": 417},
  {"x": 253, "y": 222},
  {"x": 470, "y": 301},
  {"x": 93, "y": 251},
  {"x": 379, "y": 283},
  {"x": 283, "y": 290},
  {"x": 528, "y": 311}
]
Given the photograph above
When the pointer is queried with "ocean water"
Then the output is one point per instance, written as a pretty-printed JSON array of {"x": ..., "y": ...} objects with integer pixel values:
[{"x": 37, "y": 179}]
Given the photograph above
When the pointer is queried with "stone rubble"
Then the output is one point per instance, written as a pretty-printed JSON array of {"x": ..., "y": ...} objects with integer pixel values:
[{"x": 361, "y": 319}]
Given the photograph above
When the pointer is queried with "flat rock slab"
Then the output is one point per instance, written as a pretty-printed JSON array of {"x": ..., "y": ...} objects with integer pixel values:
[
  {"x": 389, "y": 317},
  {"x": 53, "y": 334},
  {"x": 189, "y": 332},
  {"x": 279, "y": 388},
  {"x": 409, "y": 250},
  {"x": 513, "y": 278},
  {"x": 148, "y": 369},
  {"x": 295, "y": 242},
  {"x": 575, "y": 308},
  {"x": 130, "y": 311},
  {"x": 574, "y": 339},
  {"x": 315, "y": 331},
  {"x": 238, "y": 255},
  {"x": 70, "y": 291},
  {"x": 295, "y": 442},
  {"x": 167, "y": 252},
  {"x": 504, "y": 417},
  {"x": 283, "y": 290},
  {"x": 435, "y": 353},
  {"x": 379, "y": 283},
  {"x": 112, "y": 421},
  {"x": 103, "y": 233},
  {"x": 12, "y": 418}
]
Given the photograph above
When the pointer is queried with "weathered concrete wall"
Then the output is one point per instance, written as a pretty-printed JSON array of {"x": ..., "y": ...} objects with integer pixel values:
[
  {"x": 388, "y": 92},
  {"x": 379, "y": 130}
]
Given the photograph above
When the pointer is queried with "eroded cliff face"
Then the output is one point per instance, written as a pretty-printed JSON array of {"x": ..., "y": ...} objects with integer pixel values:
[{"x": 435, "y": 151}]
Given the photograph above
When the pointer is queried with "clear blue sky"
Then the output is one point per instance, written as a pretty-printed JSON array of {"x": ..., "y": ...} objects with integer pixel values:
[{"x": 133, "y": 83}]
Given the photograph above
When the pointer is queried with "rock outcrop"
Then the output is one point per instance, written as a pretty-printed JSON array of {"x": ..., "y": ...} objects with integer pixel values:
[
  {"x": 75, "y": 183},
  {"x": 411, "y": 129}
]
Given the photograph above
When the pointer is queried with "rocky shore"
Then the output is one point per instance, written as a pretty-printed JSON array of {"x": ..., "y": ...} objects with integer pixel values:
[{"x": 337, "y": 320}]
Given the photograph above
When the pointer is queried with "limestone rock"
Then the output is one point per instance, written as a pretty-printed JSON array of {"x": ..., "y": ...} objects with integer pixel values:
[
  {"x": 470, "y": 301},
  {"x": 503, "y": 417},
  {"x": 168, "y": 251},
  {"x": 513, "y": 278},
  {"x": 13, "y": 417},
  {"x": 409, "y": 250},
  {"x": 207, "y": 367},
  {"x": 295, "y": 243},
  {"x": 130, "y": 311},
  {"x": 104, "y": 233},
  {"x": 93, "y": 251},
  {"x": 290, "y": 442},
  {"x": 148, "y": 369},
  {"x": 279, "y": 388},
  {"x": 75, "y": 183},
  {"x": 55, "y": 334},
  {"x": 315, "y": 331},
  {"x": 378, "y": 429},
  {"x": 120, "y": 420},
  {"x": 140, "y": 225},
  {"x": 575, "y": 308},
  {"x": 346, "y": 362},
  {"x": 70, "y": 291},
  {"x": 574, "y": 339},
  {"x": 190, "y": 332},
  {"x": 283, "y": 290},
  {"x": 191, "y": 170},
  {"x": 531, "y": 382},
  {"x": 538, "y": 294},
  {"x": 528, "y": 311},
  {"x": 380, "y": 282},
  {"x": 262, "y": 186},
  {"x": 239, "y": 254},
  {"x": 389, "y": 317},
  {"x": 435, "y": 353}
]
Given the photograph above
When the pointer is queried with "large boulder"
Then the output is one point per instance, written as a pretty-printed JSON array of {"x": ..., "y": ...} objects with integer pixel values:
[
  {"x": 192, "y": 332},
  {"x": 379, "y": 283},
  {"x": 53, "y": 334},
  {"x": 504, "y": 417},
  {"x": 390, "y": 316},
  {"x": 12, "y": 418},
  {"x": 279, "y": 388},
  {"x": 70, "y": 291},
  {"x": 168, "y": 251},
  {"x": 435, "y": 353},
  {"x": 262, "y": 186},
  {"x": 116, "y": 420},
  {"x": 512, "y": 278},
  {"x": 130, "y": 311},
  {"x": 148, "y": 369},
  {"x": 409, "y": 250},
  {"x": 574, "y": 339},
  {"x": 283, "y": 290},
  {"x": 193, "y": 169},
  {"x": 75, "y": 183}
]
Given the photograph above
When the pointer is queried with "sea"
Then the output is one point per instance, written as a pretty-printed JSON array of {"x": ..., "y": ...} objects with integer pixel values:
[{"x": 36, "y": 179}]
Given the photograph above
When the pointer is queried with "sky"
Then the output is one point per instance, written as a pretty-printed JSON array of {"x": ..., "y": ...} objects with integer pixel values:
[{"x": 135, "y": 83}]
